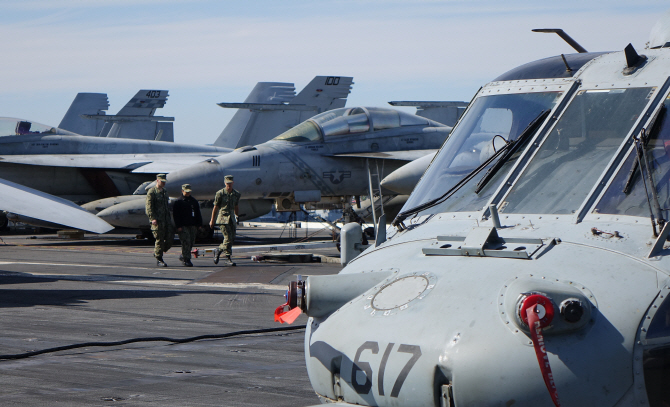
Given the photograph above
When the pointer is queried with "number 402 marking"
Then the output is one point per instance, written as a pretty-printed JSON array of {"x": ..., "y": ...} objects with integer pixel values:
[{"x": 365, "y": 367}]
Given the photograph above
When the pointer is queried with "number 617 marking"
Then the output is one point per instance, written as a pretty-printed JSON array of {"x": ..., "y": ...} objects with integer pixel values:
[{"x": 365, "y": 367}]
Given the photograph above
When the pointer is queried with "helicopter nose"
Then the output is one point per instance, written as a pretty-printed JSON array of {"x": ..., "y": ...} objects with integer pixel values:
[{"x": 205, "y": 179}]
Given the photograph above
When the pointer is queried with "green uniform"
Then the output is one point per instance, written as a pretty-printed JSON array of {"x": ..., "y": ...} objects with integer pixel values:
[
  {"x": 156, "y": 208},
  {"x": 226, "y": 218},
  {"x": 187, "y": 238}
]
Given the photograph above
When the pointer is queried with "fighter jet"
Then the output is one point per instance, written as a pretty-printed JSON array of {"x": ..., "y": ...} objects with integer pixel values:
[
  {"x": 83, "y": 168},
  {"x": 270, "y": 109},
  {"x": 321, "y": 160},
  {"x": 530, "y": 265}
]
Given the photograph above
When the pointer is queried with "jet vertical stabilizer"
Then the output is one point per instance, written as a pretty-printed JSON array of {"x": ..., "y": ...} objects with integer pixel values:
[
  {"x": 136, "y": 119},
  {"x": 85, "y": 104},
  {"x": 242, "y": 123},
  {"x": 325, "y": 92},
  {"x": 270, "y": 119}
]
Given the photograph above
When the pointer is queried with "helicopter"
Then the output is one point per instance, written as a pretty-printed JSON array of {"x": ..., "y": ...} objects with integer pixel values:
[{"x": 530, "y": 266}]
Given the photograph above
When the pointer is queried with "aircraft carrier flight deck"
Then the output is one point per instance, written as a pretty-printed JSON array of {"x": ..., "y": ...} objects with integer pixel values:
[{"x": 58, "y": 292}]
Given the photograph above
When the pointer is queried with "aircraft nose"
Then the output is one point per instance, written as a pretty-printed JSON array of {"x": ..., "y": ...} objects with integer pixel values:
[
  {"x": 205, "y": 179},
  {"x": 111, "y": 215},
  {"x": 397, "y": 181},
  {"x": 129, "y": 214},
  {"x": 404, "y": 179}
]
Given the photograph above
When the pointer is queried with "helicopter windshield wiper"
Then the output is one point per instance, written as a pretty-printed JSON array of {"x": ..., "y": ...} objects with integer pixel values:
[
  {"x": 402, "y": 216},
  {"x": 513, "y": 145},
  {"x": 642, "y": 159},
  {"x": 511, "y": 148},
  {"x": 645, "y": 140}
]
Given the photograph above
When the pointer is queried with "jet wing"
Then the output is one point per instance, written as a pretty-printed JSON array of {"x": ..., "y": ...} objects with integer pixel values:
[
  {"x": 138, "y": 163},
  {"x": 16, "y": 198},
  {"x": 407, "y": 155}
]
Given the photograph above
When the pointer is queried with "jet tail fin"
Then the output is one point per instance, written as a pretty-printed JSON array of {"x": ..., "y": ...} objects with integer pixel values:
[
  {"x": 268, "y": 117},
  {"x": 264, "y": 93},
  {"x": 136, "y": 119},
  {"x": 144, "y": 103},
  {"x": 85, "y": 104},
  {"x": 325, "y": 92},
  {"x": 446, "y": 113}
]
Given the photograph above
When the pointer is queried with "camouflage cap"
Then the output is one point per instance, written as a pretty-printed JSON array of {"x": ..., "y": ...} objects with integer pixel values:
[
  {"x": 186, "y": 187},
  {"x": 228, "y": 178},
  {"x": 161, "y": 176}
]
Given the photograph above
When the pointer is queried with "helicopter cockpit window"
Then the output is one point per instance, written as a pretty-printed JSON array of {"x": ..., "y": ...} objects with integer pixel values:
[
  {"x": 575, "y": 153},
  {"x": 490, "y": 124},
  {"x": 304, "y": 132},
  {"x": 15, "y": 127},
  {"x": 656, "y": 360},
  {"x": 627, "y": 194}
]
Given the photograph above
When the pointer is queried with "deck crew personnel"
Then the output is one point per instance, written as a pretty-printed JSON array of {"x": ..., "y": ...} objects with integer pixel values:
[
  {"x": 187, "y": 220},
  {"x": 226, "y": 207},
  {"x": 156, "y": 208}
]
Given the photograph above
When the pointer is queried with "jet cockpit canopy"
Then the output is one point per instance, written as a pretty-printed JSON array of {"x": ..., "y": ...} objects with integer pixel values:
[
  {"x": 16, "y": 127},
  {"x": 352, "y": 120}
]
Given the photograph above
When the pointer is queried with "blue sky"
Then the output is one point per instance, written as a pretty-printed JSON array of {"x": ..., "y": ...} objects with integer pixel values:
[{"x": 206, "y": 52}]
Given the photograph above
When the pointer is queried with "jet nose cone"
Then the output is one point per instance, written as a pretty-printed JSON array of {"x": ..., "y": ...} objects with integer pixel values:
[
  {"x": 400, "y": 182},
  {"x": 205, "y": 179},
  {"x": 110, "y": 215},
  {"x": 404, "y": 179},
  {"x": 129, "y": 214}
]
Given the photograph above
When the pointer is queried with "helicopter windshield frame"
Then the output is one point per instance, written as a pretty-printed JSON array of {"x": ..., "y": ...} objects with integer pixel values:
[
  {"x": 611, "y": 200},
  {"x": 492, "y": 90},
  {"x": 586, "y": 139}
]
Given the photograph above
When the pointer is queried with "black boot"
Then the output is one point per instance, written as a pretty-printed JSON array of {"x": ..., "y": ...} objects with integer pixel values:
[
  {"x": 217, "y": 254},
  {"x": 188, "y": 263},
  {"x": 160, "y": 262},
  {"x": 230, "y": 261}
]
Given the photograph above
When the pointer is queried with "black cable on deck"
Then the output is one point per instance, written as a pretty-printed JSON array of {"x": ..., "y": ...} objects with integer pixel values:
[{"x": 150, "y": 339}]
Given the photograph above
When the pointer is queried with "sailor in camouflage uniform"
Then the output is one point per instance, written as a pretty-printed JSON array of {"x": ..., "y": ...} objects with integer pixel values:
[
  {"x": 157, "y": 210},
  {"x": 225, "y": 203}
]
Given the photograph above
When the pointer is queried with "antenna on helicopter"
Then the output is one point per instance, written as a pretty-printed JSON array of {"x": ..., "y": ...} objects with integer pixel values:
[{"x": 563, "y": 35}]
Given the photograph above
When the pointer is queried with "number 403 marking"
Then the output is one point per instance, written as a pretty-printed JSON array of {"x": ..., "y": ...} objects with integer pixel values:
[{"x": 365, "y": 367}]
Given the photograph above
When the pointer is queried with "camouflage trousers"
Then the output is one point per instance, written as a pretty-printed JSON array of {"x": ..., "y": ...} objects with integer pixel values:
[
  {"x": 164, "y": 234},
  {"x": 187, "y": 239},
  {"x": 228, "y": 231}
]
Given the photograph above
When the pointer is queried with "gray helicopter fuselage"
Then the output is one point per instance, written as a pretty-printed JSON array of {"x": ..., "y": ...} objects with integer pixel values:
[{"x": 564, "y": 219}]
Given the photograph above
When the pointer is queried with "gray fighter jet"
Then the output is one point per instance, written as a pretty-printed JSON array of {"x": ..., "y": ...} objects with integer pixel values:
[
  {"x": 324, "y": 159},
  {"x": 83, "y": 168},
  {"x": 530, "y": 266}
]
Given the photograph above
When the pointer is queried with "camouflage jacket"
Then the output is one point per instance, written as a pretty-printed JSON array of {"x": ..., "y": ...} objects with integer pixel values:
[
  {"x": 156, "y": 206},
  {"x": 226, "y": 203}
]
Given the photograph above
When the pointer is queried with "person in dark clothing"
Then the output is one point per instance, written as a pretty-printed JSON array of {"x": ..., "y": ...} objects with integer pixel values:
[{"x": 187, "y": 220}]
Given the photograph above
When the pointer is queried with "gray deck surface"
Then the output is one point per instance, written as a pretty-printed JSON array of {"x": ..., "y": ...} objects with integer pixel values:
[{"x": 55, "y": 293}]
